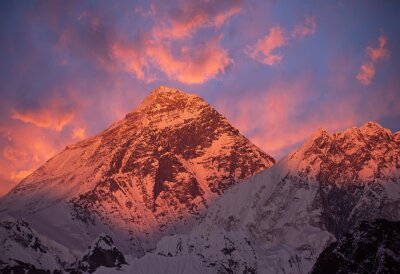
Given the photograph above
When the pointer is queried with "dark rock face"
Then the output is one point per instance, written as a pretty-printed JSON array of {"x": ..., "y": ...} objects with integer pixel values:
[
  {"x": 24, "y": 268},
  {"x": 373, "y": 247},
  {"x": 101, "y": 253}
]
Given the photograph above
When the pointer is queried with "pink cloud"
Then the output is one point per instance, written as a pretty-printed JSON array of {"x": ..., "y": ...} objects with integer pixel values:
[
  {"x": 381, "y": 52},
  {"x": 183, "y": 22},
  {"x": 51, "y": 116},
  {"x": 169, "y": 49},
  {"x": 130, "y": 59},
  {"x": 278, "y": 119},
  {"x": 367, "y": 70},
  {"x": 192, "y": 65},
  {"x": 264, "y": 50},
  {"x": 27, "y": 147},
  {"x": 307, "y": 28}
]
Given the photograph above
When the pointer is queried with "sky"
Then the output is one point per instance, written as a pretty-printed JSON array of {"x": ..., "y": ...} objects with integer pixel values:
[{"x": 278, "y": 70}]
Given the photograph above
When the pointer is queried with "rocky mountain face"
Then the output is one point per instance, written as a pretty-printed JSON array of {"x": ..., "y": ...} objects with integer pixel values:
[
  {"x": 102, "y": 252},
  {"x": 373, "y": 247},
  {"x": 148, "y": 175},
  {"x": 23, "y": 250},
  {"x": 179, "y": 190},
  {"x": 280, "y": 220}
]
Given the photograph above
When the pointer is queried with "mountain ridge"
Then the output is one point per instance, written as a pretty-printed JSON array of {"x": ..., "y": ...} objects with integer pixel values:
[{"x": 282, "y": 218}]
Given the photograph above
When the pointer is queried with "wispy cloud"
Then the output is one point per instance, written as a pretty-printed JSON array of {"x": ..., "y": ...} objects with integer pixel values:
[
  {"x": 192, "y": 65},
  {"x": 265, "y": 50},
  {"x": 52, "y": 115},
  {"x": 307, "y": 28},
  {"x": 367, "y": 69},
  {"x": 192, "y": 15}
]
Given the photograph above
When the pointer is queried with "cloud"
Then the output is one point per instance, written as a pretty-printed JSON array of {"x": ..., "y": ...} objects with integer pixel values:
[
  {"x": 307, "y": 28},
  {"x": 79, "y": 133},
  {"x": 130, "y": 59},
  {"x": 282, "y": 115},
  {"x": 184, "y": 21},
  {"x": 381, "y": 52},
  {"x": 264, "y": 51},
  {"x": 367, "y": 70},
  {"x": 170, "y": 48},
  {"x": 191, "y": 65},
  {"x": 23, "y": 148},
  {"x": 50, "y": 116}
]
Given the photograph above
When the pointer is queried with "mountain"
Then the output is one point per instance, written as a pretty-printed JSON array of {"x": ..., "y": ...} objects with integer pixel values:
[
  {"x": 102, "y": 252},
  {"x": 280, "y": 220},
  {"x": 373, "y": 247},
  {"x": 149, "y": 175},
  {"x": 24, "y": 250}
]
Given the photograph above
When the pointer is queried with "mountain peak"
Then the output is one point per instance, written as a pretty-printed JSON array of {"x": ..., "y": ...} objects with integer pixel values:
[
  {"x": 358, "y": 153},
  {"x": 164, "y": 90},
  {"x": 320, "y": 133},
  {"x": 150, "y": 174},
  {"x": 166, "y": 98},
  {"x": 373, "y": 128}
]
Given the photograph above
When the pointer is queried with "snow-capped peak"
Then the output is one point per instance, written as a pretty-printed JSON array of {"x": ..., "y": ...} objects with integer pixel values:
[
  {"x": 355, "y": 153},
  {"x": 150, "y": 174},
  {"x": 166, "y": 98}
]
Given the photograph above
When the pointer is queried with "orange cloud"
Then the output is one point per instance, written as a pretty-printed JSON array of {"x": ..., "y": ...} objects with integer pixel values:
[
  {"x": 50, "y": 117},
  {"x": 79, "y": 133},
  {"x": 194, "y": 15},
  {"x": 263, "y": 50},
  {"x": 130, "y": 59},
  {"x": 166, "y": 47},
  {"x": 307, "y": 28},
  {"x": 18, "y": 176},
  {"x": 367, "y": 70},
  {"x": 191, "y": 65},
  {"x": 25, "y": 149}
]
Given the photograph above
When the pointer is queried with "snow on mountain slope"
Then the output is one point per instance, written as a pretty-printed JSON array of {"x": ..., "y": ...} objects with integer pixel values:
[
  {"x": 22, "y": 248},
  {"x": 148, "y": 175},
  {"x": 281, "y": 219}
]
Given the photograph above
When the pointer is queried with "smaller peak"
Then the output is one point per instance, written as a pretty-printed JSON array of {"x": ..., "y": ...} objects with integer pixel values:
[
  {"x": 103, "y": 237},
  {"x": 373, "y": 128},
  {"x": 319, "y": 135},
  {"x": 372, "y": 124},
  {"x": 320, "y": 132}
]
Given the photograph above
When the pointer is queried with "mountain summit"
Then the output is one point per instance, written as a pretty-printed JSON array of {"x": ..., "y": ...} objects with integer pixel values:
[{"x": 150, "y": 174}]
